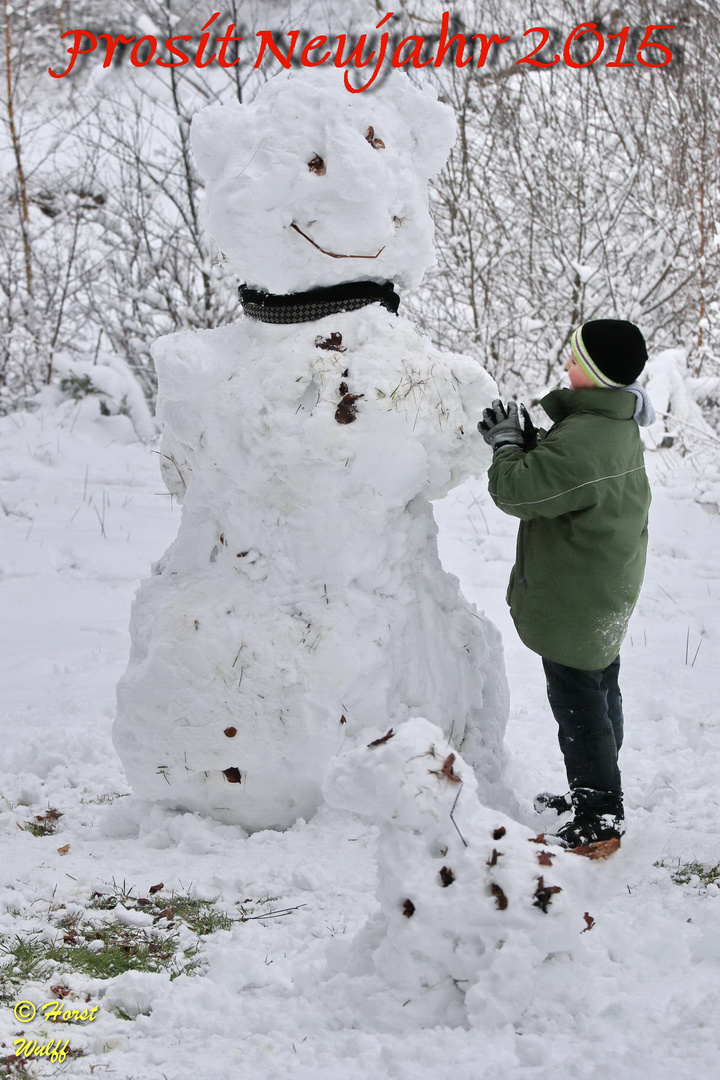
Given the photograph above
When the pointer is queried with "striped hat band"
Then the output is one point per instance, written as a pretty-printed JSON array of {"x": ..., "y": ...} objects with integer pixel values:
[{"x": 586, "y": 362}]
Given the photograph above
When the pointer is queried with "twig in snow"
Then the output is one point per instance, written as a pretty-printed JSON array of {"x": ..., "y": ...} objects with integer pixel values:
[
  {"x": 383, "y": 739},
  {"x": 453, "y": 811},
  {"x": 15, "y": 513},
  {"x": 276, "y": 914},
  {"x": 101, "y": 519},
  {"x": 474, "y": 502},
  {"x": 670, "y": 597}
]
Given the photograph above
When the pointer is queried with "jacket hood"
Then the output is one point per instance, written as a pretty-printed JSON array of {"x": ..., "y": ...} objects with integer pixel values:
[
  {"x": 644, "y": 411},
  {"x": 615, "y": 404}
]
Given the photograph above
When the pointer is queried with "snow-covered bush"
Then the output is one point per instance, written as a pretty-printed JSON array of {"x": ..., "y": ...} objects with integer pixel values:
[
  {"x": 117, "y": 389},
  {"x": 566, "y": 198},
  {"x": 680, "y": 422}
]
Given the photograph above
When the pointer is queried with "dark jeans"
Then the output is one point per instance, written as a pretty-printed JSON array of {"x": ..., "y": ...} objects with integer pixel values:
[{"x": 588, "y": 708}]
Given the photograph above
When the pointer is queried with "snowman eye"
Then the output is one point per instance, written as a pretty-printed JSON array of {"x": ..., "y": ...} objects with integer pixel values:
[
  {"x": 377, "y": 144},
  {"x": 317, "y": 165}
]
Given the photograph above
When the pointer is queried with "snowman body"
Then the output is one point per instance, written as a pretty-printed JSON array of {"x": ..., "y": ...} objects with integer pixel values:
[{"x": 303, "y": 599}]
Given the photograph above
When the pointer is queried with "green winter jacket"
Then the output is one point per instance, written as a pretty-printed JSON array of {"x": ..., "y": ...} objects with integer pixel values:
[{"x": 582, "y": 496}]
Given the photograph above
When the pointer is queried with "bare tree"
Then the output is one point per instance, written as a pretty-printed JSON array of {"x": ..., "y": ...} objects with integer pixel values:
[
  {"x": 572, "y": 193},
  {"x": 575, "y": 193}
]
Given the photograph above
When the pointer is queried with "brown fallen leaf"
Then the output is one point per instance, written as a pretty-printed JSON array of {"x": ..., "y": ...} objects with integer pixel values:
[
  {"x": 500, "y": 898},
  {"x": 408, "y": 909},
  {"x": 492, "y": 861},
  {"x": 64, "y": 849},
  {"x": 544, "y": 894},
  {"x": 447, "y": 771},
  {"x": 347, "y": 409},
  {"x": 383, "y": 738},
  {"x": 332, "y": 343},
  {"x": 233, "y": 775},
  {"x": 589, "y": 922},
  {"x": 499, "y": 833},
  {"x": 601, "y": 849},
  {"x": 545, "y": 858},
  {"x": 156, "y": 888},
  {"x": 446, "y": 876}
]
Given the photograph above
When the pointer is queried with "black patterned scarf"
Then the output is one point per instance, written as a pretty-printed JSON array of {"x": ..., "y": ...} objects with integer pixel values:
[{"x": 316, "y": 303}]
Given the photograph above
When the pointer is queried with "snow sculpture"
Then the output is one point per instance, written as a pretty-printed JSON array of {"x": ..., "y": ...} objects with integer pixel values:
[
  {"x": 472, "y": 909},
  {"x": 303, "y": 598}
]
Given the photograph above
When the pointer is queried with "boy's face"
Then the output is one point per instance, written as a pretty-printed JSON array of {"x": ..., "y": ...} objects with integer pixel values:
[{"x": 579, "y": 379}]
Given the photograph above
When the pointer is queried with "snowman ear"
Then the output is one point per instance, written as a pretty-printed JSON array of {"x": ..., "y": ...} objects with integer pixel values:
[
  {"x": 214, "y": 134},
  {"x": 434, "y": 130}
]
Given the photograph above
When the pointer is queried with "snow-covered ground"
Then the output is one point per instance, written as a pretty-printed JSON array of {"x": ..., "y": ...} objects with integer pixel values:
[{"x": 83, "y": 516}]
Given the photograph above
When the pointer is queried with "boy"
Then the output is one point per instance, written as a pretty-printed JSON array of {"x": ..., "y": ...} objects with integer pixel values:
[{"x": 582, "y": 497}]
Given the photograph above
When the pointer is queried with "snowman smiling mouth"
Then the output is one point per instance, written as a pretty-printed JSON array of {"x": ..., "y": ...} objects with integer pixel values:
[{"x": 333, "y": 254}]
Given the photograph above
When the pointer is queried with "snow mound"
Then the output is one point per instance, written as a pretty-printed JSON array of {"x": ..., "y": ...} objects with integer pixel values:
[{"x": 472, "y": 906}]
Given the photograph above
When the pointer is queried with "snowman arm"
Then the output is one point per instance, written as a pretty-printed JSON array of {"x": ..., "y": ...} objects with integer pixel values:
[{"x": 475, "y": 386}]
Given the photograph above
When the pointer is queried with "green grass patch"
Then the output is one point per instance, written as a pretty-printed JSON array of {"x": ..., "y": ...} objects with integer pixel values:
[
  {"x": 102, "y": 949},
  {"x": 202, "y": 916},
  {"x": 21, "y": 960},
  {"x": 86, "y": 940},
  {"x": 15, "y": 1068},
  {"x": 101, "y": 953},
  {"x": 685, "y": 873},
  {"x": 43, "y": 824}
]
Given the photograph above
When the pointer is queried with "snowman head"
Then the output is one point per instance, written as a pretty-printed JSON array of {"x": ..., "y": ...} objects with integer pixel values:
[{"x": 310, "y": 185}]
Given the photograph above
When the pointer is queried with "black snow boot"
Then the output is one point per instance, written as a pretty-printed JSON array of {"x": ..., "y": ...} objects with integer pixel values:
[
  {"x": 582, "y": 831},
  {"x": 599, "y": 815},
  {"x": 561, "y": 804}
]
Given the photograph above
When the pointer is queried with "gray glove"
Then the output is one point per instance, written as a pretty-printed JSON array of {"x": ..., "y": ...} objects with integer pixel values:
[{"x": 500, "y": 427}]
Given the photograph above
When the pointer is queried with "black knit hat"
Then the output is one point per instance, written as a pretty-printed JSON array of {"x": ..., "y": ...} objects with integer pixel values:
[{"x": 611, "y": 351}]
